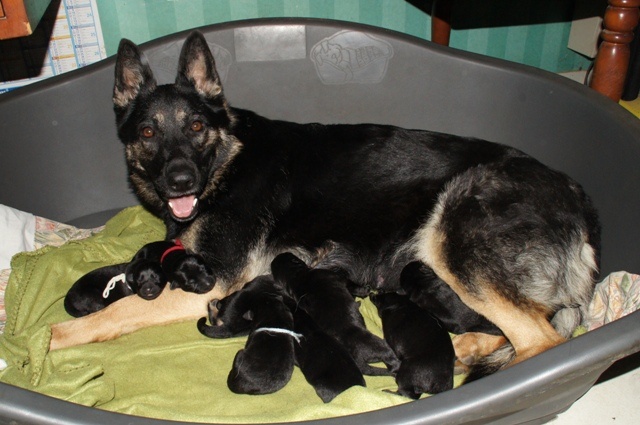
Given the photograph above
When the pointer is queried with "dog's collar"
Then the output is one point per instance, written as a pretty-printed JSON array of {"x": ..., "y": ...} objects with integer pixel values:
[
  {"x": 281, "y": 331},
  {"x": 177, "y": 247},
  {"x": 122, "y": 277}
]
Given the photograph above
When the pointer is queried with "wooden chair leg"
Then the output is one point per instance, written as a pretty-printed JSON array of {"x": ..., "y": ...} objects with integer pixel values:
[
  {"x": 612, "y": 60},
  {"x": 441, "y": 21}
]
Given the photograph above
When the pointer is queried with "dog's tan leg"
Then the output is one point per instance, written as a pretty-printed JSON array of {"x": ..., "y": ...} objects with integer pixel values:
[
  {"x": 130, "y": 314},
  {"x": 526, "y": 326},
  {"x": 471, "y": 346}
]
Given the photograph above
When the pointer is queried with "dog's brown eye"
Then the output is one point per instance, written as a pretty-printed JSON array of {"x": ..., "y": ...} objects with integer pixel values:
[
  {"x": 147, "y": 132},
  {"x": 197, "y": 126}
]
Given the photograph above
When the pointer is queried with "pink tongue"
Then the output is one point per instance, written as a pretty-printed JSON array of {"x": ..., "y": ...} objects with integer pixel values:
[{"x": 182, "y": 207}]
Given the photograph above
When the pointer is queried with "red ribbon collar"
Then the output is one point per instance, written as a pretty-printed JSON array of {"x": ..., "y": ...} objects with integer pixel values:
[{"x": 177, "y": 247}]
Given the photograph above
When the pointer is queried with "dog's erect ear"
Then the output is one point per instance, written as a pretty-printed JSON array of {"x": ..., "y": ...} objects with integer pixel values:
[
  {"x": 197, "y": 67},
  {"x": 132, "y": 74}
]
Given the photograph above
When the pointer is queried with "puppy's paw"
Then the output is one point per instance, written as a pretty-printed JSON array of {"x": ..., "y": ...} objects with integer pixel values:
[{"x": 192, "y": 275}]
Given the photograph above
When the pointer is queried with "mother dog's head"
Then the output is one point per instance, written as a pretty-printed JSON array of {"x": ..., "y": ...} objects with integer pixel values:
[{"x": 177, "y": 137}]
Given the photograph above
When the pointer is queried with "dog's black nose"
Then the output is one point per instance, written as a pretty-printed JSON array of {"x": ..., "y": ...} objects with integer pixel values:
[
  {"x": 181, "y": 176},
  {"x": 149, "y": 292},
  {"x": 180, "y": 182}
]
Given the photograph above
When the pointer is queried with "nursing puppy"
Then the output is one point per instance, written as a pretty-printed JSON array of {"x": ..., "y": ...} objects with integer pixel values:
[
  {"x": 475, "y": 338},
  {"x": 323, "y": 361},
  {"x": 516, "y": 241},
  {"x": 266, "y": 363},
  {"x": 422, "y": 345},
  {"x": 323, "y": 294}
]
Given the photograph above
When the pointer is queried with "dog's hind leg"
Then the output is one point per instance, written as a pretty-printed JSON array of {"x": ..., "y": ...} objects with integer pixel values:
[
  {"x": 130, "y": 314},
  {"x": 517, "y": 242},
  {"x": 524, "y": 322},
  {"x": 525, "y": 326}
]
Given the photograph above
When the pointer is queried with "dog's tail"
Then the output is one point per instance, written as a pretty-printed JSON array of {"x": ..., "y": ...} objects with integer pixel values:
[{"x": 492, "y": 363}]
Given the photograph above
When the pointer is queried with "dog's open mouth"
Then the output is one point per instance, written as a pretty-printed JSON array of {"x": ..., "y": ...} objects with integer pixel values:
[{"x": 184, "y": 207}]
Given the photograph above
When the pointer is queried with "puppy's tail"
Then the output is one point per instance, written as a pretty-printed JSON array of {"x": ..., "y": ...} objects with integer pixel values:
[{"x": 492, "y": 363}]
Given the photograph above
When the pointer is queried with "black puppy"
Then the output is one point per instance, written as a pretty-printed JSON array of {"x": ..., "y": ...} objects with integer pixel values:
[
  {"x": 427, "y": 290},
  {"x": 476, "y": 336},
  {"x": 143, "y": 275},
  {"x": 422, "y": 345},
  {"x": 324, "y": 362},
  {"x": 146, "y": 274},
  {"x": 323, "y": 294},
  {"x": 266, "y": 363}
]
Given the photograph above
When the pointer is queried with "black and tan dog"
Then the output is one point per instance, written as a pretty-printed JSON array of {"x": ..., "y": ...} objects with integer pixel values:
[
  {"x": 323, "y": 294},
  {"x": 516, "y": 241}
]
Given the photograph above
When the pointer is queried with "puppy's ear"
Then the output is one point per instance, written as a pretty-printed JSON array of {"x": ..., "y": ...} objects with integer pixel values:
[
  {"x": 248, "y": 315},
  {"x": 197, "y": 67},
  {"x": 133, "y": 75}
]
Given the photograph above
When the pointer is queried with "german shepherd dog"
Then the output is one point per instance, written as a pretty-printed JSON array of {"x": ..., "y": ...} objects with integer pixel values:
[{"x": 517, "y": 241}]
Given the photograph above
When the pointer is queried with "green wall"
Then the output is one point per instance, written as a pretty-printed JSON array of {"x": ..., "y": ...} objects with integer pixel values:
[{"x": 533, "y": 32}]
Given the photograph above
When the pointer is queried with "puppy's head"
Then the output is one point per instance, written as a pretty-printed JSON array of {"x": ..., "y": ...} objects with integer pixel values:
[
  {"x": 387, "y": 300},
  {"x": 146, "y": 278},
  {"x": 178, "y": 137},
  {"x": 237, "y": 313},
  {"x": 286, "y": 268},
  {"x": 416, "y": 278}
]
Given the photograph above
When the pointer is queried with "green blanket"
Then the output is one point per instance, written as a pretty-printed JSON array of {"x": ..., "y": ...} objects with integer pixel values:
[{"x": 169, "y": 372}]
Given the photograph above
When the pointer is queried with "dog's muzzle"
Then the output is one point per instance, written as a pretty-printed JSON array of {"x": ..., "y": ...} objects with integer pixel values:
[{"x": 182, "y": 179}]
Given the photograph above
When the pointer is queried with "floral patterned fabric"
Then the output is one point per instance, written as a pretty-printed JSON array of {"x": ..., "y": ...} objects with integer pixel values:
[{"x": 616, "y": 296}]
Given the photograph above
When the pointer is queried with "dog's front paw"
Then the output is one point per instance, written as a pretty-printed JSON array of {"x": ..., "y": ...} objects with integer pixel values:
[{"x": 192, "y": 275}]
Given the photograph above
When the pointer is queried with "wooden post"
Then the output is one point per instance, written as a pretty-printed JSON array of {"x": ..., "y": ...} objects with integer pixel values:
[
  {"x": 612, "y": 60},
  {"x": 441, "y": 21}
]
